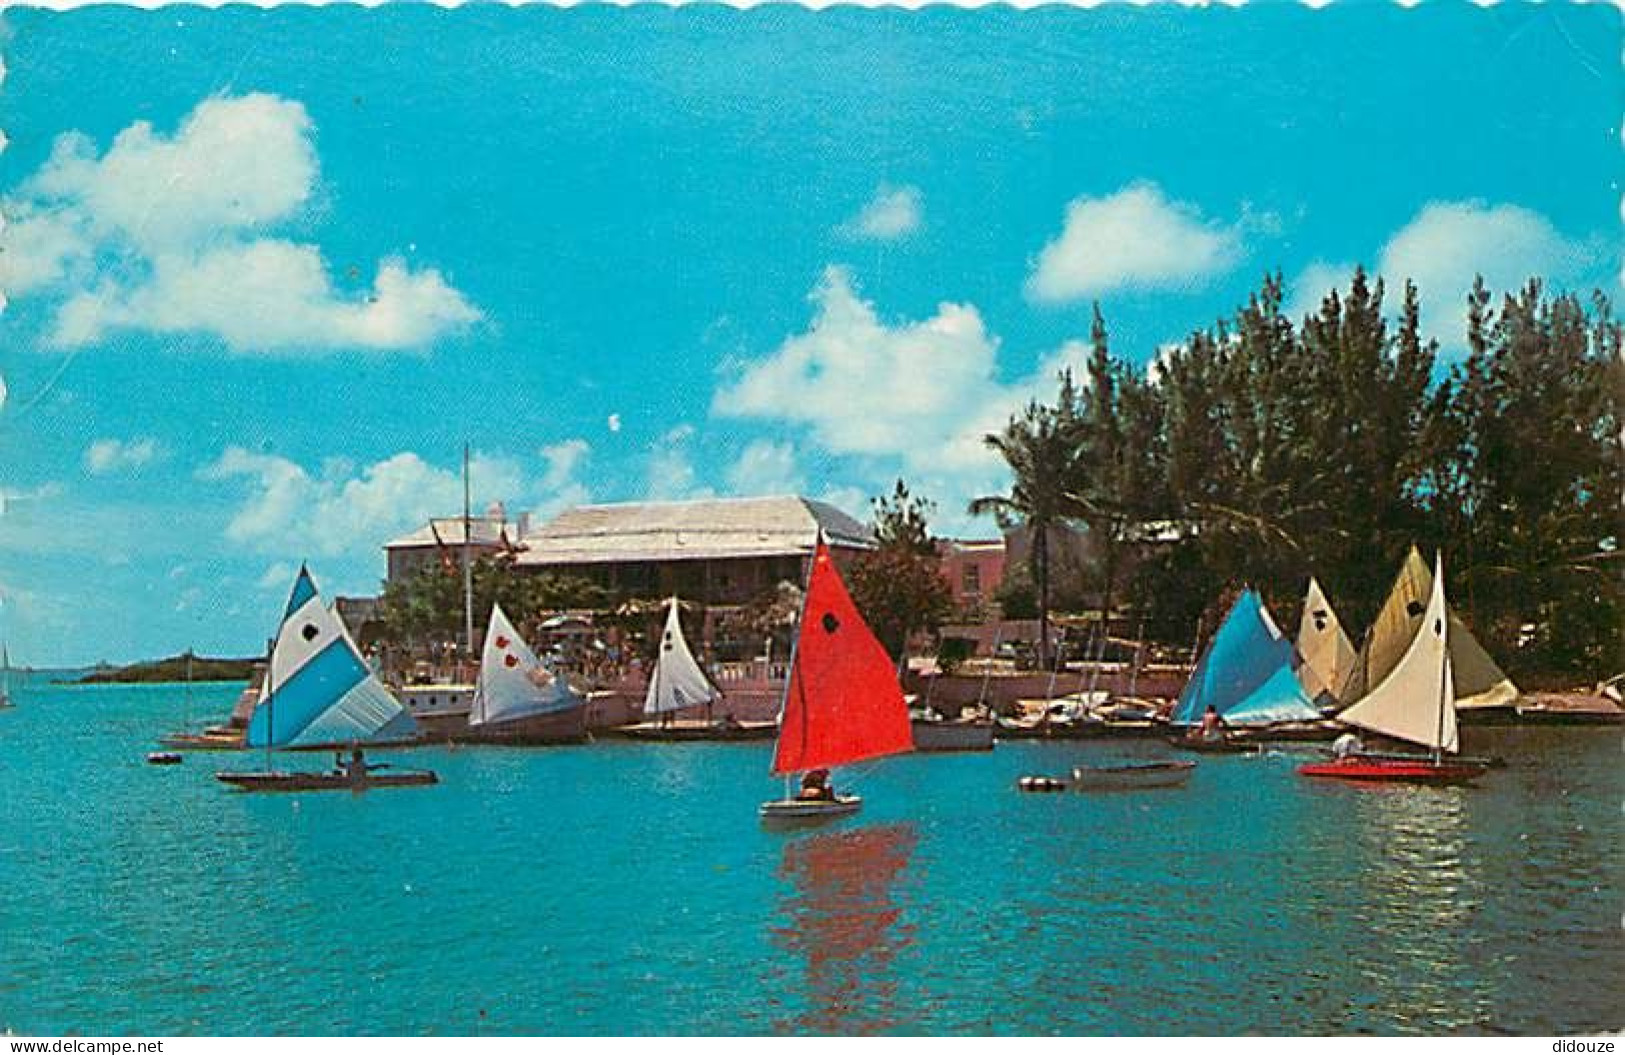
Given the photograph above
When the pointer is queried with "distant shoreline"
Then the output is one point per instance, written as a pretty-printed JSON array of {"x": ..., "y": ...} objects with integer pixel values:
[{"x": 172, "y": 669}]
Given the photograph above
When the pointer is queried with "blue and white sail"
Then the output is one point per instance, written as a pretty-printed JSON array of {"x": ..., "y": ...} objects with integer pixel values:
[
  {"x": 677, "y": 680},
  {"x": 514, "y": 683},
  {"x": 320, "y": 691},
  {"x": 1246, "y": 674}
]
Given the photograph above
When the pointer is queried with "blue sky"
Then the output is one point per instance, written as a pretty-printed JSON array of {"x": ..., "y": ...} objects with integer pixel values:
[{"x": 267, "y": 271}]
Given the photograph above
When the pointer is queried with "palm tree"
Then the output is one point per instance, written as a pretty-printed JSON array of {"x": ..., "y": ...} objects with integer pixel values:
[{"x": 1040, "y": 447}]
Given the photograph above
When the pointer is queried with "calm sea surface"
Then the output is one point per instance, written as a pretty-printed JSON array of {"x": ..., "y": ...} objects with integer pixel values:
[{"x": 629, "y": 888}]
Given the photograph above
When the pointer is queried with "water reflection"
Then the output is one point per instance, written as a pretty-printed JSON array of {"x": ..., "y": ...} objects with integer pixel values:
[
  {"x": 1418, "y": 901},
  {"x": 842, "y": 918}
]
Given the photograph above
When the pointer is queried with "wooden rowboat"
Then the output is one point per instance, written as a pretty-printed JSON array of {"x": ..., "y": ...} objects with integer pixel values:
[{"x": 1131, "y": 775}]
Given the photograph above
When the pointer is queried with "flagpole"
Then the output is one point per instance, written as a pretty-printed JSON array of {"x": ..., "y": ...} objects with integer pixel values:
[{"x": 468, "y": 574}]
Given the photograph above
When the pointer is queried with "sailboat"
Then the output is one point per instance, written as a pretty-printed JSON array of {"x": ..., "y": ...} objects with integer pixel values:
[
  {"x": 1246, "y": 675},
  {"x": 1328, "y": 655},
  {"x": 321, "y": 694},
  {"x": 517, "y": 700},
  {"x": 842, "y": 701},
  {"x": 5, "y": 678},
  {"x": 678, "y": 683},
  {"x": 1483, "y": 690},
  {"x": 1416, "y": 703}
]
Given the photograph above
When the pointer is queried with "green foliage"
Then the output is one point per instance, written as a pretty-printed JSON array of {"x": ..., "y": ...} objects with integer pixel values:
[
  {"x": 1277, "y": 450},
  {"x": 899, "y": 586},
  {"x": 428, "y": 606},
  {"x": 952, "y": 652}
]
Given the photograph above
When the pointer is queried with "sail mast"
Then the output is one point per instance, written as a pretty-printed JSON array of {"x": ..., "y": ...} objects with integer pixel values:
[{"x": 468, "y": 573}]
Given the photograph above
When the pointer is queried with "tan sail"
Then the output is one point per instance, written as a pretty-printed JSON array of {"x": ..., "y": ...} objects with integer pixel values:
[
  {"x": 1415, "y": 702},
  {"x": 1394, "y": 628},
  {"x": 1328, "y": 656},
  {"x": 1479, "y": 682}
]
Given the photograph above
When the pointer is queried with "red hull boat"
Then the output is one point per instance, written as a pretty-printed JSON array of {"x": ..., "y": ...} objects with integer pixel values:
[{"x": 1412, "y": 771}]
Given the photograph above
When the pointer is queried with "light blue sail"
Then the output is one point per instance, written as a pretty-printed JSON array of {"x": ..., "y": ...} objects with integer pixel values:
[
  {"x": 321, "y": 691},
  {"x": 1246, "y": 674}
]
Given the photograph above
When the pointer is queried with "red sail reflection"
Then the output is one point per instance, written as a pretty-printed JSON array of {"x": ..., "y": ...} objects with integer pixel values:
[{"x": 843, "y": 920}]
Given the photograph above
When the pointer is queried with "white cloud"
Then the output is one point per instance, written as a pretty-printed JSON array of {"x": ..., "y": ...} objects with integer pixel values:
[
  {"x": 916, "y": 397},
  {"x": 277, "y": 576},
  {"x": 561, "y": 489},
  {"x": 671, "y": 473},
  {"x": 111, "y": 455},
  {"x": 765, "y": 468},
  {"x": 1444, "y": 246},
  {"x": 342, "y": 510},
  {"x": 923, "y": 392},
  {"x": 176, "y": 235},
  {"x": 893, "y": 213},
  {"x": 1133, "y": 239}
]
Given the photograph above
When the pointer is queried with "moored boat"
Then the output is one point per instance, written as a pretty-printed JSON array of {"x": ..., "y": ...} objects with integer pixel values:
[
  {"x": 1414, "y": 703},
  {"x": 1127, "y": 776},
  {"x": 683, "y": 730},
  {"x": 842, "y": 701},
  {"x": 517, "y": 700},
  {"x": 933, "y": 734},
  {"x": 678, "y": 683}
]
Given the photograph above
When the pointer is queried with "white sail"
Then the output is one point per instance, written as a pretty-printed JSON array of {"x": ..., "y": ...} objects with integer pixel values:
[
  {"x": 1479, "y": 681},
  {"x": 1328, "y": 656},
  {"x": 677, "y": 681},
  {"x": 1416, "y": 701},
  {"x": 321, "y": 690},
  {"x": 513, "y": 682}
]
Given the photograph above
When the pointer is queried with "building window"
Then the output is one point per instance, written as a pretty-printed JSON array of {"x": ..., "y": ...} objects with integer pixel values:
[{"x": 971, "y": 580}]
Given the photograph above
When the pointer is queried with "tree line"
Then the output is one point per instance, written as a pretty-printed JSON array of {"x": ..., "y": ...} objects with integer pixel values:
[{"x": 1262, "y": 450}]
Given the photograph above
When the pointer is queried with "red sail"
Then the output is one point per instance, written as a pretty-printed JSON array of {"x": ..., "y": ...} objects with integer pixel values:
[{"x": 843, "y": 703}]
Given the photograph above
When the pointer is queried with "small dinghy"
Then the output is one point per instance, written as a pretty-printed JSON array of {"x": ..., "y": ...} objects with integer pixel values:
[
  {"x": 1130, "y": 775},
  {"x": 164, "y": 758},
  {"x": 336, "y": 781},
  {"x": 842, "y": 701},
  {"x": 1414, "y": 703}
]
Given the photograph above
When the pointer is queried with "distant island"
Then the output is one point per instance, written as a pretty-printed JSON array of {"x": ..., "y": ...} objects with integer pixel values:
[{"x": 173, "y": 668}]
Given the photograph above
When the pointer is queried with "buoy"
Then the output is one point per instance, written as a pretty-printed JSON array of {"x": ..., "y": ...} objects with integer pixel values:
[{"x": 1041, "y": 784}]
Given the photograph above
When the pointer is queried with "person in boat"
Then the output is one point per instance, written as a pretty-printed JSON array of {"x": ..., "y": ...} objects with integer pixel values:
[
  {"x": 815, "y": 787},
  {"x": 1212, "y": 727},
  {"x": 1349, "y": 745},
  {"x": 356, "y": 768}
]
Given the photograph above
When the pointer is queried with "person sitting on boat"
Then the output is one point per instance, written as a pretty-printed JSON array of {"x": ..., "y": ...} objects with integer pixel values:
[
  {"x": 357, "y": 767},
  {"x": 815, "y": 787},
  {"x": 1212, "y": 727},
  {"x": 1349, "y": 745}
]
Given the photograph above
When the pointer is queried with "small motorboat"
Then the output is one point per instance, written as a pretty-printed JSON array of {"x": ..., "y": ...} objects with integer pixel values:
[
  {"x": 810, "y": 810},
  {"x": 273, "y": 780},
  {"x": 164, "y": 758},
  {"x": 1416, "y": 769},
  {"x": 1128, "y": 776}
]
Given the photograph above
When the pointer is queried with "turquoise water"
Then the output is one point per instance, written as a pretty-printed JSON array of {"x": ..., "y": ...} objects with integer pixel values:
[{"x": 629, "y": 888}]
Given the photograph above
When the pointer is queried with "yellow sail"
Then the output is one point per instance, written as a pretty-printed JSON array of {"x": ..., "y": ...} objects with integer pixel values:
[
  {"x": 1328, "y": 657},
  {"x": 1415, "y": 701}
]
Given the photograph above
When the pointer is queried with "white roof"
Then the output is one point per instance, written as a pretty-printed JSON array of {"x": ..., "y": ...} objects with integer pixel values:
[
  {"x": 482, "y": 530},
  {"x": 697, "y": 530}
]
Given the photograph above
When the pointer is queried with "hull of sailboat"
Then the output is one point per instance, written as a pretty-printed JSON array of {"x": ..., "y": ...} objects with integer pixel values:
[
  {"x": 689, "y": 731},
  {"x": 568, "y": 726},
  {"x": 1012, "y": 729},
  {"x": 285, "y": 782},
  {"x": 1410, "y": 771},
  {"x": 1131, "y": 776},
  {"x": 803, "y": 811},
  {"x": 953, "y": 736},
  {"x": 203, "y": 741}
]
